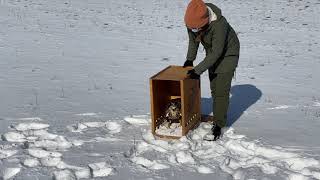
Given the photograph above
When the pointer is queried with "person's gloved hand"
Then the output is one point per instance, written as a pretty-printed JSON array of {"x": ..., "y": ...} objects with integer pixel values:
[
  {"x": 192, "y": 74},
  {"x": 188, "y": 63},
  {"x": 216, "y": 132}
]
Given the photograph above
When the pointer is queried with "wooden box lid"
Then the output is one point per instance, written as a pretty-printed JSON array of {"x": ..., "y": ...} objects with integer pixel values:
[{"x": 173, "y": 73}]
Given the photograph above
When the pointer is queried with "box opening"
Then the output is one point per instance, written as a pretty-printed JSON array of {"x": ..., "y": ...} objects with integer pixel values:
[{"x": 168, "y": 112}]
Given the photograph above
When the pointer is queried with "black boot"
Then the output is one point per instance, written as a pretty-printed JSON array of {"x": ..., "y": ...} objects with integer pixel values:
[{"x": 216, "y": 132}]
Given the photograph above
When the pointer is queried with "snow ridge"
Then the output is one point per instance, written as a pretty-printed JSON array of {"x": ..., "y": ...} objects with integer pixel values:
[
  {"x": 233, "y": 154},
  {"x": 42, "y": 150}
]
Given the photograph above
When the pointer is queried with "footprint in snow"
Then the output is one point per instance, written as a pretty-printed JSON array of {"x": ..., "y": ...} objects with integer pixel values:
[{"x": 113, "y": 127}]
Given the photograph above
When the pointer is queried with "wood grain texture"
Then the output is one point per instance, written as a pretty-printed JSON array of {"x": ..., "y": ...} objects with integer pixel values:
[
  {"x": 192, "y": 106},
  {"x": 174, "y": 73}
]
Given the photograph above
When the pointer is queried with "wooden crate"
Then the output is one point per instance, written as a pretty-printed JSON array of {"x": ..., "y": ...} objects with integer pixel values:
[{"x": 172, "y": 83}]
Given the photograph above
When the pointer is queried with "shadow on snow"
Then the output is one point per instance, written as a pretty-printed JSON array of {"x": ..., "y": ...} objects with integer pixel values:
[{"x": 243, "y": 96}]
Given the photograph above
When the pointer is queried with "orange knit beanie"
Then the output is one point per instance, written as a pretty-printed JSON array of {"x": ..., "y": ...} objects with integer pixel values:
[{"x": 196, "y": 14}]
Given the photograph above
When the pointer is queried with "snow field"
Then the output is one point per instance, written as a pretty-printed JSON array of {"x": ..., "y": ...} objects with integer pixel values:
[
  {"x": 30, "y": 126},
  {"x": 42, "y": 150},
  {"x": 61, "y": 58},
  {"x": 234, "y": 154},
  {"x": 5, "y": 153},
  {"x": 101, "y": 169},
  {"x": 113, "y": 127},
  {"x": 31, "y": 162},
  {"x": 138, "y": 120},
  {"x": 174, "y": 130},
  {"x": 153, "y": 165},
  {"x": 10, "y": 172},
  {"x": 64, "y": 174}
]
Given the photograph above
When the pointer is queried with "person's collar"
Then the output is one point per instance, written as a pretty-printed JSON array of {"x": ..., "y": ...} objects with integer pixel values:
[{"x": 212, "y": 15}]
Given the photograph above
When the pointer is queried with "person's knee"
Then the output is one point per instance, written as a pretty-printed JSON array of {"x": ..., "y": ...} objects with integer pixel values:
[{"x": 222, "y": 93}]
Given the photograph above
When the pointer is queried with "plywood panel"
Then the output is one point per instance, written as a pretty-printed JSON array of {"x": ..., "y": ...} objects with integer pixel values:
[
  {"x": 174, "y": 73},
  {"x": 191, "y": 103}
]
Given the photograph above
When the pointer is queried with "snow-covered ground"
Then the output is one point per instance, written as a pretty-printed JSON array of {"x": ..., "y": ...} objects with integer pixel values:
[{"x": 75, "y": 103}]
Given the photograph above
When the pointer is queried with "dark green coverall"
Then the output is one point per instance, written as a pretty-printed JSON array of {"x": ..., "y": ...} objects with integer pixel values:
[{"x": 222, "y": 48}]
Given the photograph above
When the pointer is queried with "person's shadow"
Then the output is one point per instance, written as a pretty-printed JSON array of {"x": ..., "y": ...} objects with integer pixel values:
[{"x": 243, "y": 96}]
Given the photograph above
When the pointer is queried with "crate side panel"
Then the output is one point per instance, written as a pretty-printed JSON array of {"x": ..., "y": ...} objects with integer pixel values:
[
  {"x": 183, "y": 107},
  {"x": 152, "y": 103},
  {"x": 191, "y": 103},
  {"x": 159, "y": 99}
]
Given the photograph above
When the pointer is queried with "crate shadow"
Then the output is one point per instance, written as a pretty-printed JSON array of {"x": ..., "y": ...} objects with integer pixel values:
[{"x": 242, "y": 97}]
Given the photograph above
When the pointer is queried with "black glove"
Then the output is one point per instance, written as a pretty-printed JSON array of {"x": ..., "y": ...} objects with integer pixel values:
[
  {"x": 192, "y": 74},
  {"x": 188, "y": 63},
  {"x": 216, "y": 132}
]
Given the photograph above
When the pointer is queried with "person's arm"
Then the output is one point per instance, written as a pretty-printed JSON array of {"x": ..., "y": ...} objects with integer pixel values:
[
  {"x": 218, "y": 44},
  {"x": 192, "y": 47}
]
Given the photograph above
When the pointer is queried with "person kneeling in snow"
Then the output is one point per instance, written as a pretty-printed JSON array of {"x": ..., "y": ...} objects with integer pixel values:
[{"x": 206, "y": 24}]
